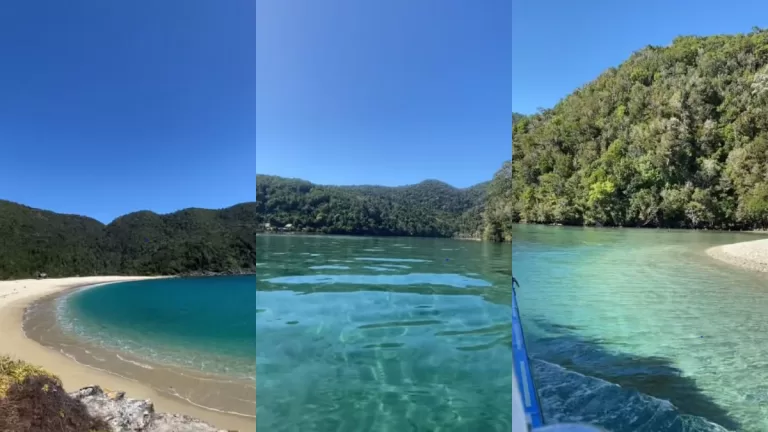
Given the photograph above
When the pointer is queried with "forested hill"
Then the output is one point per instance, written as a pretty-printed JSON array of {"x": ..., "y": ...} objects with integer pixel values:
[
  {"x": 430, "y": 208},
  {"x": 192, "y": 240},
  {"x": 200, "y": 240},
  {"x": 675, "y": 136}
]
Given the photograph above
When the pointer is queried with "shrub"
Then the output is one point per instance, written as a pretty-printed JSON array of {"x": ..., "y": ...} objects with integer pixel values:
[{"x": 33, "y": 400}]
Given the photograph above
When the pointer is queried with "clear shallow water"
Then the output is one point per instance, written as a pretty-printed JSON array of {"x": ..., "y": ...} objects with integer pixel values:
[
  {"x": 639, "y": 330},
  {"x": 204, "y": 324},
  {"x": 424, "y": 346}
]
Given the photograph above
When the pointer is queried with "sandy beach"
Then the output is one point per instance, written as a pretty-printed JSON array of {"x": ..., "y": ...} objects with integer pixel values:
[
  {"x": 751, "y": 255},
  {"x": 16, "y": 295}
]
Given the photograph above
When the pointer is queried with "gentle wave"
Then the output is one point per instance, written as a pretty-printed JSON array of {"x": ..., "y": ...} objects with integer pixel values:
[
  {"x": 377, "y": 268},
  {"x": 413, "y": 260},
  {"x": 165, "y": 356},
  {"x": 615, "y": 408},
  {"x": 141, "y": 365},
  {"x": 329, "y": 267},
  {"x": 446, "y": 279},
  {"x": 188, "y": 400},
  {"x": 74, "y": 359},
  {"x": 42, "y": 324}
]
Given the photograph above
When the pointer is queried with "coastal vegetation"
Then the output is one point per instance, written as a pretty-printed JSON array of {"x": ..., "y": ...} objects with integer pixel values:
[
  {"x": 428, "y": 209},
  {"x": 675, "y": 136},
  {"x": 141, "y": 243},
  {"x": 33, "y": 400},
  {"x": 199, "y": 241}
]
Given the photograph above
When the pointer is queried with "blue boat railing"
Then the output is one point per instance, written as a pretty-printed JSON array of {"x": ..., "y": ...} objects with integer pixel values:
[{"x": 522, "y": 369}]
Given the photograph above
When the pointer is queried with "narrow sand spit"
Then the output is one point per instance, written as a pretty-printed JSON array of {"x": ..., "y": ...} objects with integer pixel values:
[
  {"x": 16, "y": 295},
  {"x": 751, "y": 255}
]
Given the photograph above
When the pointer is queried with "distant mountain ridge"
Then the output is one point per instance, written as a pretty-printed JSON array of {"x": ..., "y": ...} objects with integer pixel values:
[
  {"x": 195, "y": 240},
  {"x": 430, "y": 208},
  {"x": 144, "y": 242}
]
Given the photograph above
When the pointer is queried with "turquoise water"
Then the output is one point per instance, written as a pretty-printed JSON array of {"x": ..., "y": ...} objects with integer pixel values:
[
  {"x": 639, "y": 330},
  {"x": 351, "y": 334},
  {"x": 205, "y": 324},
  {"x": 416, "y": 337}
]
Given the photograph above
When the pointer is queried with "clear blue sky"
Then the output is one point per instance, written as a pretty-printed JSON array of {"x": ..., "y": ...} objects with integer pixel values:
[
  {"x": 559, "y": 45},
  {"x": 383, "y": 92},
  {"x": 108, "y": 107}
]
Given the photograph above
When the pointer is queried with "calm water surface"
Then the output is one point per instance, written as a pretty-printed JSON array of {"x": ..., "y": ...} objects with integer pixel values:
[
  {"x": 639, "y": 330},
  {"x": 203, "y": 324},
  {"x": 191, "y": 339},
  {"x": 357, "y": 334}
]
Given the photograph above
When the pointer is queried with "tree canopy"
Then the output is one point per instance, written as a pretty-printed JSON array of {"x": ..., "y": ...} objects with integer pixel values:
[
  {"x": 200, "y": 240},
  {"x": 429, "y": 209},
  {"x": 675, "y": 136},
  {"x": 191, "y": 240}
]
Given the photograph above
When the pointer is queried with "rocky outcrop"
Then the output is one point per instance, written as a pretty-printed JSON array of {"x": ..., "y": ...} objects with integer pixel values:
[
  {"x": 179, "y": 423},
  {"x": 133, "y": 415}
]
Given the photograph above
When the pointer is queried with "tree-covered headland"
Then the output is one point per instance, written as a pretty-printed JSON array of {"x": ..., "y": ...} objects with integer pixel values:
[
  {"x": 194, "y": 241},
  {"x": 675, "y": 136}
]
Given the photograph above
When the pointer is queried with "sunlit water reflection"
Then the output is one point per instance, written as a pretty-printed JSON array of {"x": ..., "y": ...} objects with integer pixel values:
[
  {"x": 422, "y": 347},
  {"x": 682, "y": 334}
]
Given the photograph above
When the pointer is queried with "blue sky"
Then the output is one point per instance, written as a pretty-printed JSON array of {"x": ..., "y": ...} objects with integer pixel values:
[
  {"x": 109, "y": 107},
  {"x": 383, "y": 92},
  {"x": 559, "y": 45},
  {"x": 113, "y": 107}
]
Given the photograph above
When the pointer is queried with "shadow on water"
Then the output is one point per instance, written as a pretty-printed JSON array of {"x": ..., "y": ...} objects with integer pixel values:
[{"x": 574, "y": 376}]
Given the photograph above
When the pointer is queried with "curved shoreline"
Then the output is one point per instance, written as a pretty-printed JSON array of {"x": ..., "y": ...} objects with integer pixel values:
[
  {"x": 750, "y": 255},
  {"x": 223, "y": 394},
  {"x": 17, "y": 296}
]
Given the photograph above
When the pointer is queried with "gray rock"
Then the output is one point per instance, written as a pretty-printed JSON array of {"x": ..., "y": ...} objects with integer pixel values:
[
  {"x": 134, "y": 415},
  {"x": 179, "y": 423}
]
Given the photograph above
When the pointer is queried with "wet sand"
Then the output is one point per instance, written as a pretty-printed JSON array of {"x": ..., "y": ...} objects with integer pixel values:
[
  {"x": 751, "y": 255},
  {"x": 30, "y": 305}
]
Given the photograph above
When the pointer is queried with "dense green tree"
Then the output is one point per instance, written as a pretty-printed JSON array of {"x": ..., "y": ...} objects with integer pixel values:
[
  {"x": 34, "y": 240},
  {"x": 430, "y": 208},
  {"x": 675, "y": 136},
  {"x": 191, "y": 240},
  {"x": 498, "y": 211},
  {"x": 200, "y": 240}
]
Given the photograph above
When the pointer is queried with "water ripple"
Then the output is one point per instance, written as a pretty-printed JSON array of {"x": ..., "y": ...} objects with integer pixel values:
[
  {"x": 413, "y": 260},
  {"x": 445, "y": 279}
]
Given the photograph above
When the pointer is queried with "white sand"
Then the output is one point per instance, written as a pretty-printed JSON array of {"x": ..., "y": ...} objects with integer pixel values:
[
  {"x": 30, "y": 289},
  {"x": 14, "y": 298},
  {"x": 751, "y": 255}
]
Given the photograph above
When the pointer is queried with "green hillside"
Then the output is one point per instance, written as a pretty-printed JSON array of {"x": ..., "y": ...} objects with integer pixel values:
[
  {"x": 430, "y": 208},
  {"x": 675, "y": 136},
  {"x": 199, "y": 240},
  {"x": 191, "y": 240}
]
